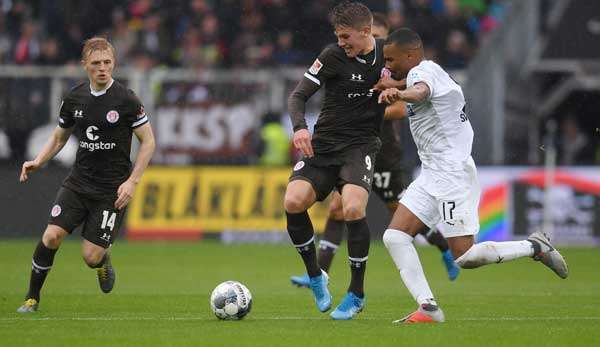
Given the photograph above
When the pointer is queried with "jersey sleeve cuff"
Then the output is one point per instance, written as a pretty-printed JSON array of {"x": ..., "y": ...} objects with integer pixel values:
[
  {"x": 429, "y": 84},
  {"x": 64, "y": 124},
  {"x": 312, "y": 78},
  {"x": 300, "y": 127},
  {"x": 140, "y": 122}
]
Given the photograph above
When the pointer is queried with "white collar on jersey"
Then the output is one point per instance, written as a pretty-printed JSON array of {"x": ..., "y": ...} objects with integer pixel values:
[
  {"x": 360, "y": 60},
  {"x": 102, "y": 91}
]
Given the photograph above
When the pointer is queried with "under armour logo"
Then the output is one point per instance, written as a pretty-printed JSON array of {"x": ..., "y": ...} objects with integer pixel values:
[
  {"x": 357, "y": 78},
  {"x": 105, "y": 237},
  {"x": 366, "y": 179},
  {"x": 78, "y": 114}
]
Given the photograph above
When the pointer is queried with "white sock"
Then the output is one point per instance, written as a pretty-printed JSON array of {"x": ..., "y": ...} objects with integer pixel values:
[
  {"x": 490, "y": 252},
  {"x": 403, "y": 252}
]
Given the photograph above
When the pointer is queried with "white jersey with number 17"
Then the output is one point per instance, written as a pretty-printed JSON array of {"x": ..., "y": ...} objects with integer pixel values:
[{"x": 439, "y": 124}]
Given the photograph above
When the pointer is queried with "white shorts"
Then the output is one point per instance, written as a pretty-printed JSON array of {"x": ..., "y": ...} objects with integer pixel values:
[{"x": 451, "y": 197}]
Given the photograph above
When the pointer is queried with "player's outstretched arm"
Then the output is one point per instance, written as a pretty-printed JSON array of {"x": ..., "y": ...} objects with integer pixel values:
[
  {"x": 387, "y": 82},
  {"x": 396, "y": 110},
  {"x": 126, "y": 189},
  {"x": 415, "y": 94},
  {"x": 55, "y": 143}
]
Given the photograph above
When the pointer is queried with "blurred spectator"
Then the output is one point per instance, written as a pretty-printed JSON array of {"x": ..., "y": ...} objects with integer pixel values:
[
  {"x": 192, "y": 16},
  {"x": 420, "y": 17},
  {"x": 27, "y": 45},
  {"x": 23, "y": 109},
  {"x": 152, "y": 39},
  {"x": 121, "y": 36},
  {"x": 457, "y": 52},
  {"x": 285, "y": 53},
  {"x": 138, "y": 9},
  {"x": 575, "y": 148},
  {"x": 281, "y": 15},
  {"x": 5, "y": 42},
  {"x": 274, "y": 148},
  {"x": 253, "y": 47},
  {"x": 50, "y": 53},
  {"x": 195, "y": 52}
]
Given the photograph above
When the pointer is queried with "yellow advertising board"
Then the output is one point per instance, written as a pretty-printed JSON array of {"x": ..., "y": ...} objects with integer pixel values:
[{"x": 212, "y": 199}]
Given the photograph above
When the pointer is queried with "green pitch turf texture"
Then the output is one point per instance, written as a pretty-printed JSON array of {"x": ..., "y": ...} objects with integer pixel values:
[{"x": 162, "y": 290}]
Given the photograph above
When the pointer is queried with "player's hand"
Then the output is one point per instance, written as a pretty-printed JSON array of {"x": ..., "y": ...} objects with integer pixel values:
[
  {"x": 124, "y": 194},
  {"x": 28, "y": 167},
  {"x": 390, "y": 96},
  {"x": 387, "y": 82},
  {"x": 302, "y": 142}
]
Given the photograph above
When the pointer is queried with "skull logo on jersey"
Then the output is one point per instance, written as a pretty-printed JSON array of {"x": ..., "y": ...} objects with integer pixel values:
[
  {"x": 56, "y": 210},
  {"x": 112, "y": 116},
  {"x": 299, "y": 165},
  {"x": 385, "y": 73}
]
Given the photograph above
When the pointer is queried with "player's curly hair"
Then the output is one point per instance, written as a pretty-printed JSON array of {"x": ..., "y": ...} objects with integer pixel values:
[
  {"x": 97, "y": 43},
  {"x": 350, "y": 14},
  {"x": 405, "y": 37}
]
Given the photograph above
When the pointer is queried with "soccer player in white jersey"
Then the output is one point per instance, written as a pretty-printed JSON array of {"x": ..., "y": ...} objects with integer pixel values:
[{"x": 447, "y": 189}]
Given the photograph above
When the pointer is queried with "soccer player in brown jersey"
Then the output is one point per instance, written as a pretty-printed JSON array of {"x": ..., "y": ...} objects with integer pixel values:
[
  {"x": 104, "y": 115},
  {"x": 341, "y": 152},
  {"x": 389, "y": 181}
]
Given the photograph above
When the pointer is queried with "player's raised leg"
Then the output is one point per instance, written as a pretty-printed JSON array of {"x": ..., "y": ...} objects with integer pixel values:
[
  {"x": 398, "y": 239},
  {"x": 330, "y": 241},
  {"x": 299, "y": 196},
  {"x": 43, "y": 258},
  {"x": 470, "y": 255},
  {"x": 354, "y": 201}
]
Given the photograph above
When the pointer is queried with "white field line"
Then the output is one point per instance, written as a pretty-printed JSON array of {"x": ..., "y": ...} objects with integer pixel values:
[{"x": 285, "y": 318}]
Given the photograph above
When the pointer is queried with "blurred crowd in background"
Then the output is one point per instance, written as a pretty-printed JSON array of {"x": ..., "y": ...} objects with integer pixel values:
[{"x": 224, "y": 33}]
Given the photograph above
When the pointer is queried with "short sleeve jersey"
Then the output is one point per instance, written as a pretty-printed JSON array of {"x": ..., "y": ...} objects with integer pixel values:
[
  {"x": 439, "y": 125},
  {"x": 350, "y": 114},
  {"x": 104, "y": 123}
]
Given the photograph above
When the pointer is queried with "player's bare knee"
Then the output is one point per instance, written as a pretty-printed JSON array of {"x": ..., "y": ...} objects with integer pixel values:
[
  {"x": 53, "y": 237},
  {"x": 295, "y": 203},
  {"x": 336, "y": 211},
  {"x": 353, "y": 211}
]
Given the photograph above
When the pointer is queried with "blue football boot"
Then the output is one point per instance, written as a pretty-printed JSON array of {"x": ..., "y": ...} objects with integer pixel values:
[
  {"x": 302, "y": 281},
  {"x": 319, "y": 288},
  {"x": 451, "y": 267},
  {"x": 350, "y": 307}
]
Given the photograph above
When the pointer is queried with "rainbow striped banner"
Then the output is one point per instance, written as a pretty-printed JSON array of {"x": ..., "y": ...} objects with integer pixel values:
[{"x": 493, "y": 214}]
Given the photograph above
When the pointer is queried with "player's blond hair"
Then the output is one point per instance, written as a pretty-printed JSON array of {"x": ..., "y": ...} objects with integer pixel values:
[{"x": 96, "y": 43}]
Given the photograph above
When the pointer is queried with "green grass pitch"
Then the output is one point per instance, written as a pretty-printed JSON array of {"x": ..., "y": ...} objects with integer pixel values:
[{"x": 161, "y": 299}]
